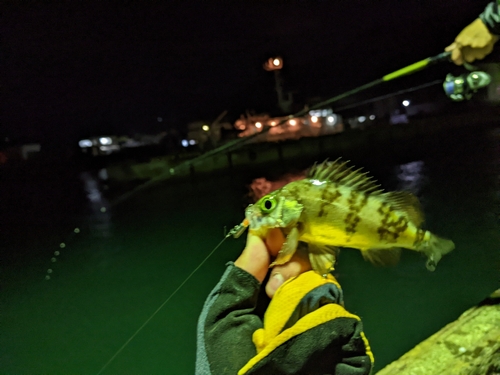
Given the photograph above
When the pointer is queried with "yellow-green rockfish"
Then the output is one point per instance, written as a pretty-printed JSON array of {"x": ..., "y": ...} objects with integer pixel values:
[{"x": 336, "y": 206}]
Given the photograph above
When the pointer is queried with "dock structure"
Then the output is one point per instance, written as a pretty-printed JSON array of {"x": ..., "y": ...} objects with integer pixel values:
[
  {"x": 469, "y": 345},
  {"x": 377, "y": 140}
]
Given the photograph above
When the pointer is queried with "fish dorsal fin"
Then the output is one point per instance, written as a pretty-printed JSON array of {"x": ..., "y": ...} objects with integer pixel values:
[
  {"x": 338, "y": 172},
  {"x": 406, "y": 203}
]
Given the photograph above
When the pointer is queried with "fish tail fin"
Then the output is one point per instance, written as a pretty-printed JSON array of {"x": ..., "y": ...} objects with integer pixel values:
[{"x": 435, "y": 249}]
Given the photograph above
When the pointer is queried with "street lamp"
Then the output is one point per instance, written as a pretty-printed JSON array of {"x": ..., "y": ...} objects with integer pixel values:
[
  {"x": 273, "y": 63},
  {"x": 276, "y": 64}
]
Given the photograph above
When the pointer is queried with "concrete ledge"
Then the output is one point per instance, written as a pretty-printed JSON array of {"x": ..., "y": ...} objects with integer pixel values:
[{"x": 469, "y": 345}]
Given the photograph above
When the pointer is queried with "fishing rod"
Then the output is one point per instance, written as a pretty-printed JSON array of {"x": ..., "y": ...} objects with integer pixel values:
[
  {"x": 444, "y": 56},
  {"x": 240, "y": 228}
]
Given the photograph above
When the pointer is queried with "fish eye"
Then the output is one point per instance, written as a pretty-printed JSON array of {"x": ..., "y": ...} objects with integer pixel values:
[{"x": 268, "y": 204}]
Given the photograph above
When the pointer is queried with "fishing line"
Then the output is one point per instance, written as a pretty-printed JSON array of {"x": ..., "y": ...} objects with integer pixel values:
[
  {"x": 233, "y": 144},
  {"x": 231, "y": 232}
]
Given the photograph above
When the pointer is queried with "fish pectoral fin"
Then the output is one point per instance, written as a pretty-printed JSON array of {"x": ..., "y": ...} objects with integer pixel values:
[
  {"x": 382, "y": 257},
  {"x": 288, "y": 248},
  {"x": 323, "y": 258}
]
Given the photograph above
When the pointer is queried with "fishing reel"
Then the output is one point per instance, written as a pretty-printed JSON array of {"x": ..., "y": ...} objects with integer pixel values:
[{"x": 465, "y": 85}]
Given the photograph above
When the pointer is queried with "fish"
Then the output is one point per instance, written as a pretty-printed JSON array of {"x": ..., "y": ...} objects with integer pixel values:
[{"x": 337, "y": 206}]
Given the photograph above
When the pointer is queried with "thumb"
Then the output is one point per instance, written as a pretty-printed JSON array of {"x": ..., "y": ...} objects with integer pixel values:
[
  {"x": 275, "y": 281},
  {"x": 451, "y": 47},
  {"x": 297, "y": 265}
]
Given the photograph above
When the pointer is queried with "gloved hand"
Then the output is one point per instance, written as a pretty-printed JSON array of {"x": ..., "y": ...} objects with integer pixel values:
[{"x": 473, "y": 42}]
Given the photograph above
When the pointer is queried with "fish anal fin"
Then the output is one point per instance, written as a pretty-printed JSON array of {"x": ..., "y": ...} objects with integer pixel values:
[
  {"x": 288, "y": 248},
  {"x": 322, "y": 258},
  {"x": 382, "y": 257},
  {"x": 406, "y": 203}
]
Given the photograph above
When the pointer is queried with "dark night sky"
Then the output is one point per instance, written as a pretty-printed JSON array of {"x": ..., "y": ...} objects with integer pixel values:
[{"x": 73, "y": 69}]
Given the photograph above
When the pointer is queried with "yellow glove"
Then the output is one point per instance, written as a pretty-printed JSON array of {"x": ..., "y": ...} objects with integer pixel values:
[{"x": 473, "y": 42}]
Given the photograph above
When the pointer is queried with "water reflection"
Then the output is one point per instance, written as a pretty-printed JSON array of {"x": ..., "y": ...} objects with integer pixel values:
[
  {"x": 411, "y": 176},
  {"x": 100, "y": 214}
]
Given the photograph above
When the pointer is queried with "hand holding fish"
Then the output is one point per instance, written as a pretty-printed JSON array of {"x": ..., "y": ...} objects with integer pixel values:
[{"x": 258, "y": 253}]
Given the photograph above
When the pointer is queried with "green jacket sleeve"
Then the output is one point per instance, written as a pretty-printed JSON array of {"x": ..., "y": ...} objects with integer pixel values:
[
  {"x": 491, "y": 17},
  {"x": 226, "y": 324}
]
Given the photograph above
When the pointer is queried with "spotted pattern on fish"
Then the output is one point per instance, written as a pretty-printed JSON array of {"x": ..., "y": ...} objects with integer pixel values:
[
  {"x": 328, "y": 196},
  {"x": 419, "y": 238},
  {"x": 390, "y": 229},
  {"x": 297, "y": 192},
  {"x": 353, "y": 218}
]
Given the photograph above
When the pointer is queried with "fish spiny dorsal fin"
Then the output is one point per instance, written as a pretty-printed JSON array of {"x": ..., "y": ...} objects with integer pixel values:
[
  {"x": 406, "y": 203},
  {"x": 338, "y": 172}
]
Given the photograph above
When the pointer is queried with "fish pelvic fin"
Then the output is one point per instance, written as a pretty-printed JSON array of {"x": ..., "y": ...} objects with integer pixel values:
[
  {"x": 288, "y": 249},
  {"x": 435, "y": 248},
  {"x": 382, "y": 257},
  {"x": 323, "y": 258}
]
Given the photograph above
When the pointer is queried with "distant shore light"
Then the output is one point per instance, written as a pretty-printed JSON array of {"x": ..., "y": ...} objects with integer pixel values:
[
  {"x": 85, "y": 143},
  {"x": 332, "y": 119},
  {"x": 205, "y": 128},
  {"x": 258, "y": 125},
  {"x": 293, "y": 122},
  {"x": 406, "y": 103},
  {"x": 105, "y": 141},
  {"x": 314, "y": 119}
]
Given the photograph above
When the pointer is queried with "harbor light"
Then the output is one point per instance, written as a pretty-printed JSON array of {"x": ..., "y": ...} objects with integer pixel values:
[
  {"x": 258, "y": 125},
  {"x": 205, "y": 128},
  {"x": 273, "y": 63},
  {"x": 105, "y": 141},
  {"x": 406, "y": 103},
  {"x": 84, "y": 143},
  {"x": 332, "y": 119}
]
